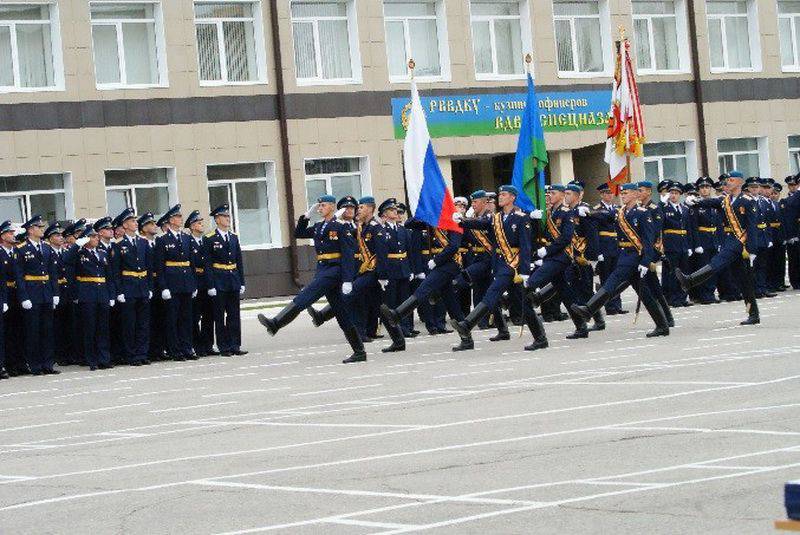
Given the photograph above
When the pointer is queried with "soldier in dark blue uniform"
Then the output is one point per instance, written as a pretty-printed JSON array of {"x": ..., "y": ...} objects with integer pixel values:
[
  {"x": 68, "y": 258},
  {"x": 93, "y": 289},
  {"x": 54, "y": 237},
  {"x": 15, "y": 350},
  {"x": 677, "y": 246},
  {"x": 131, "y": 262},
  {"x": 37, "y": 292},
  {"x": 727, "y": 285},
  {"x": 657, "y": 217},
  {"x": 393, "y": 250},
  {"x": 510, "y": 232},
  {"x": 635, "y": 233},
  {"x": 105, "y": 229},
  {"x": 148, "y": 230},
  {"x": 419, "y": 251},
  {"x": 585, "y": 249},
  {"x": 739, "y": 249},
  {"x": 752, "y": 186},
  {"x": 224, "y": 272},
  {"x": 174, "y": 269},
  {"x": 336, "y": 270},
  {"x": 605, "y": 213},
  {"x": 203, "y": 304},
  {"x": 791, "y": 218},
  {"x": 705, "y": 222},
  {"x": 7, "y": 257},
  {"x": 776, "y": 277}
]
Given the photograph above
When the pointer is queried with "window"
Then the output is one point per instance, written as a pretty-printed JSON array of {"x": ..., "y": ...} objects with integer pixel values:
[
  {"x": 128, "y": 45},
  {"x": 145, "y": 190},
  {"x": 416, "y": 29},
  {"x": 794, "y": 154},
  {"x": 24, "y": 196},
  {"x": 249, "y": 189},
  {"x": 579, "y": 35},
  {"x": 666, "y": 161},
  {"x": 30, "y": 49},
  {"x": 499, "y": 29},
  {"x": 660, "y": 33},
  {"x": 742, "y": 154},
  {"x": 730, "y": 25},
  {"x": 337, "y": 177},
  {"x": 230, "y": 42},
  {"x": 325, "y": 42},
  {"x": 789, "y": 26}
]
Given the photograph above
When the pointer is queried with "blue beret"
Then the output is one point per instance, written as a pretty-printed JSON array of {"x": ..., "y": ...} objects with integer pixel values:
[
  {"x": 347, "y": 200},
  {"x": 75, "y": 227},
  {"x": 508, "y": 188},
  {"x": 35, "y": 221},
  {"x": 222, "y": 209},
  {"x": 391, "y": 202},
  {"x": 645, "y": 184},
  {"x": 735, "y": 174},
  {"x": 194, "y": 217},
  {"x": 557, "y": 187},
  {"x": 54, "y": 228},
  {"x": 630, "y": 186},
  {"x": 573, "y": 187},
  {"x": 479, "y": 194},
  {"x": 146, "y": 218},
  {"x": 604, "y": 187},
  {"x": 327, "y": 198},
  {"x": 5, "y": 226},
  {"x": 100, "y": 224},
  {"x": 367, "y": 200}
]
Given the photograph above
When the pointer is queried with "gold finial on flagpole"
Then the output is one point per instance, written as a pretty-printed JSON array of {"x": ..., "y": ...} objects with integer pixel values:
[
  {"x": 411, "y": 65},
  {"x": 621, "y": 33},
  {"x": 528, "y": 61}
]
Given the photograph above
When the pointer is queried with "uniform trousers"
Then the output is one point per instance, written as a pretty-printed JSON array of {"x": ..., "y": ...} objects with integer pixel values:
[
  {"x": 604, "y": 269},
  {"x": 134, "y": 318},
  {"x": 38, "y": 322},
  {"x": 94, "y": 329},
  {"x": 440, "y": 280},
  {"x": 203, "y": 322},
  {"x": 327, "y": 281},
  {"x": 179, "y": 325},
  {"x": 227, "y": 321}
]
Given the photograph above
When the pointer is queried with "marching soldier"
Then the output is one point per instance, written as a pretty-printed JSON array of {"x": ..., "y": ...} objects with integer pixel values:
[
  {"x": 37, "y": 292},
  {"x": 131, "y": 262},
  {"x": 336, "y": 270},
  {"x": 7, "y": 257},
  {"x": 739, "y": 249},
  {"x": 393, "y": 248},
  {"x": 203, "y": 305},
  {"x": 657, "y": 218},
  {"x": 175, "y": 280},
  {"x": 706, "y": 222},
  {"x": 607, "y": 238},
  {"x": 93, "y": 289},
  {"x": 224, "y": 272}
]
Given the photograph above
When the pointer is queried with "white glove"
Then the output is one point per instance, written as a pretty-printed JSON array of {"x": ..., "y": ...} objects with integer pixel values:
[
  {"x": 600, "y": 258},
  {"x": 583, "y": 211},
  {"x": 794, "y": 240},
  {"x": 75, "y": 301},
  {"x": 212, "y": 292},
  {"x": 538, "y": 263},
  {"x": 536, "y": 214},
  {"x": 524, "y": 280},
  {"x": 699, "y": 250},
  {"x": 643, "y": 270},
  {"x": 689, "y": 252},
  {"x": 769, "y": 245},
  {"x": 691, "y": 201},
  {"x": 431, "y": 264},
  {"x": 311, "y": 210},
  {"x": 121, "y": 298},
  {"x": 56, "y": 301},
  {"x": 150, "y": 294},
  {"x": 111, "y": 303},
  {"x": 665, "y": 197},
  {"x": 166, "y": 295},
  {"x": 339, "y": 213},
  {"x": 421, "y": 276},
  {"x": 752, "y": 260},
  {"x": 347, "y": 287},
  {"x": 457, "y": 217},
  {"x": 470, "y": 212},
  {"x": 541, "y": 252},
  {"x": 241, "y": 290},
  {"x": 194, "y": 294},
  {"x": 27, "y": 305},
  {"x": 5, "y": 308},
  {"x": 383, "y": 284}
]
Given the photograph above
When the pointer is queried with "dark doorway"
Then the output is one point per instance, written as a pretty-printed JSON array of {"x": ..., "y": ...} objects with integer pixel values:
[{"x": 487, "y": 173}]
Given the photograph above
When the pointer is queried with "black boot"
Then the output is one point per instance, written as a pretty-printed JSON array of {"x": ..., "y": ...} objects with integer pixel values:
[
  {"x": 466, "y": 344},
  {"x": 537, "y": 329},
  {"x": 320, "y": 317},
  {"x": 599, "y": 321},
  {"x": 359, "y": 355},
  {"x": 594, "y": 304},
  {"x": 693, "y": 279},
  {"x": 662, "y": 301},
  {"x": 502, "y": 327},
  {"x": 659, "y": 318},
  {"x": 398, "y": 341},
  {"x": 463, "y": 328},
  {"x": 753, "y": 317},
  {"x": 283, "y": 318},
  {"x": 581, "y": 331},
  {"x": 4, "y": 374},
  {"x": 541, "y": 295},
  {"x": 393, "y": 317}
]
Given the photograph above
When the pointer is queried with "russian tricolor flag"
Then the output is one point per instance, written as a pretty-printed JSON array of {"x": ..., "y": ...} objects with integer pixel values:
[{"x": 428, "y": 195}]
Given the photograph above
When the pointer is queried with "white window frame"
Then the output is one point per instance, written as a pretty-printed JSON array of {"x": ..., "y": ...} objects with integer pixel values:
[
  {"x": 605, "y": 36},
  {"x": 682, "y": 36},
  {"x": 794, "y": 30},
  {"x": 754, "y": 40},
  {"x": 161, "y": 44},
  {"x": 689, "y": 154},
  {"x": 272, "y": 201},
  {"x": 443, "y": 44},
  {"x": 762, "y": 149},
  {"x": 55, "y": 50},
  {"x": 794, "y": 152},
  {"x": 258, "y": 36},
  {"x": 353, "y": 40},
  {"x": 526, "y": 36},
  {"x": 364, "y": 172},
  {"x": 172, "y": 185},
  {"x": 69, "y": 210}
]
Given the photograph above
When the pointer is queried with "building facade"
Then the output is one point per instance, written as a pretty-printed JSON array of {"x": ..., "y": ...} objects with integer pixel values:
[{"x": 267, "y": 104}]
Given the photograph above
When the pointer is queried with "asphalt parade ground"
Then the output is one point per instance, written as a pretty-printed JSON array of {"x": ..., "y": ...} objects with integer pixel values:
[{"x": 693, "y": 433}]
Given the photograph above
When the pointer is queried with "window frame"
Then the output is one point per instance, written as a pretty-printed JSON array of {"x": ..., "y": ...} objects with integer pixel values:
[
  {"x": 351, "y": 18},
  {"x": 172, "y": 185},
  {"x": 160, "y": 52},
  {"x": 689, "y": 154},
  {"x": 443, "y": 42},
  {"x": 794, "y": 152},
  {"x": 605, "y": 38},
  {"x": 273, "y": 205},
  {"x": 526, "y": 38},
  {"x": 754, "y": 39},
  {"x": 682, "y": 36},
  {"x": 66, "y": 190},
  {"x": 762, "y": 151},
  {"x": 364, "y": 172},
  {"x": 56, "y": 53},
  {"x": 794, "y": 30},
  {"x": 258, "y": 38}
]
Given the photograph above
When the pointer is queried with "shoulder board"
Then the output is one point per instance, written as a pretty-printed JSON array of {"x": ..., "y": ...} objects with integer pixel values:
[
  {"x": 373, "y": 223},
  {"x": 565, "y": 209},
  {"x": 642, "y": 208},
  {"x": 211, "y": 234},
  {"x": 748, "y": 197},
  {"x": 21, "y": 245},
  {"x": 597, "y": 207},
  {"x": 520, "y": 212},
  {"x": 232, "y": 233}
]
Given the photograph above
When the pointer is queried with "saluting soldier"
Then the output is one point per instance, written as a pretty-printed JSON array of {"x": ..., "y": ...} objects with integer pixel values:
[
  {"x": 7, "y": 256},
  {"x": 740, "y": 247},
  {"x": 130, "y": 272},
  {"x": 37, "y": 292},
  {"x": 175, "y": 279},
  {"x": 93, "y": 289},
  {"x": 203, "y": 305},
  {"x": 333, "y": 278}
]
